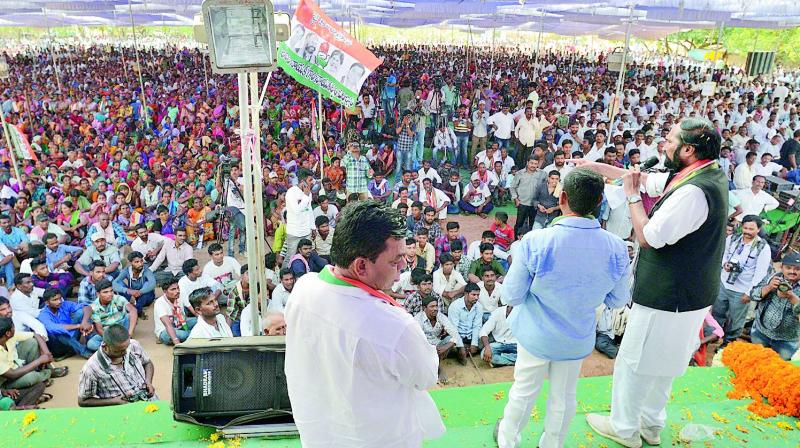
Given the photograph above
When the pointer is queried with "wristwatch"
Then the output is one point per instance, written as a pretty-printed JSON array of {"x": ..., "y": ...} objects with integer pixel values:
[{"x": 634, "y": 199}]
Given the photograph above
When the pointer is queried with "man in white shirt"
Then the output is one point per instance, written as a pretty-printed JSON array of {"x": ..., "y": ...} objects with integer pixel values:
[
  {"x": 754, "y": 199},
  {"x": 444, "y": 143},
  {"x": 280, "y": 295},
  {"x": 211, "y": 321},
  {"x": 147, "y": 243},
  {"x": 503, "y": 351},
  {"x": 370, "y": 356},
  {"x": 529, "y": 129},
  {"x": 447, "y": 281},
  {"x": 175, "y": 253},
  {"x": 224, "y": 270},
  {"x": 744, "y": 172},
  {"x": 503, "y": 124},
  {"x": 766, "y": 167},
  {"x": 435, "y": 198},
  {"x": 193, "y": 280},
  {"x": 480, "y": 122},
  {"x": 299, "y": 214},
  {"x": 24, "y": 303},
  {"x": 234, "y": 200},
  {"x": 491, "y": 291},
  {"x": 171, "y": 324},
  {"x": 325, "y": 208},
  {"x": 476, "y": 198}
]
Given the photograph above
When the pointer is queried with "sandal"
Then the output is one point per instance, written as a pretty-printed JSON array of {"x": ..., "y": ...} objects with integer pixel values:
[
  {"x": 44, "y": 398},
  {"x": 48, "y": 383},
  {"x": 58, "y": 372}
]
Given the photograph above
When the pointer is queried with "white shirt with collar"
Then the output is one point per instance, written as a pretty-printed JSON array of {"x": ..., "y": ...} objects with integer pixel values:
[
  {"x": 370, "y": 358},
  {"x": 497, "y": 325},
  {"x": 203, "y": 330},
  {"x": 24, "y": 303},
  {"x": 187, "y": 287},
  {"x": 452, "y": 282},
  {"x": 490, "y": 302},
  {"x": 755, "y": 203},
  {"x": 683, "y": 212},
  {"x": 279, "y": 299},
  {"x": 504, "y": 123},
  {"x": 154, "y": 240},
  {"x": 299, "y": 214}
]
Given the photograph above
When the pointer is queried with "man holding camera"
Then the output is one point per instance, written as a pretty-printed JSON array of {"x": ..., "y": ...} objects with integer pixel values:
[
  {"x": 777, "y": 297},
  {"x": 745, "y": 262},
  {"x": 120, "y": 372}
]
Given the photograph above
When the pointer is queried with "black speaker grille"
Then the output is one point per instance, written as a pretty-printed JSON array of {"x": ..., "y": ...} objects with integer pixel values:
[{"x": 240, "y": 382}]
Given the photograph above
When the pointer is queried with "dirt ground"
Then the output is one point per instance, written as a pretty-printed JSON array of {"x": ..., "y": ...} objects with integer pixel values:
[{"x": 65, "y": 389}]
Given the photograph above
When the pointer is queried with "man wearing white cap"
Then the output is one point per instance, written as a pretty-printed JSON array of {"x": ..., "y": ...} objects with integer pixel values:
[
  {"x": 99, "y": 250},
  {"x": 480, "y": 129}
]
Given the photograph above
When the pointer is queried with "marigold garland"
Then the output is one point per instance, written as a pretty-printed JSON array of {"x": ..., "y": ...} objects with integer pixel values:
[{"x": 760, "y": 373}]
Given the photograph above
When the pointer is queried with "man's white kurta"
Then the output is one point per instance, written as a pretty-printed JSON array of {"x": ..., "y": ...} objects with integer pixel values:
[{"x": 357, "y": 369}]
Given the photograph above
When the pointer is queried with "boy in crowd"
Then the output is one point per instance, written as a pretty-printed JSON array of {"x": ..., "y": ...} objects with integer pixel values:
[
  {"x": 171, "y": 324},
  {"x": 68, "y": 325},
  {"x": 211, "y": 322},
  {"x": 280, "y": 295},
  {"x": 110, "y": 309},
  {"x": 87, "y": 292},
  {"x": 136, "y": 283},
  {"x": 448, "y": 282},
  {"x": 466, "y": 314}
]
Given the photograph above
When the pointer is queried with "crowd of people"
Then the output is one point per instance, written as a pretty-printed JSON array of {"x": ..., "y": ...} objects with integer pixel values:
[{"x": 104, "y": 225}]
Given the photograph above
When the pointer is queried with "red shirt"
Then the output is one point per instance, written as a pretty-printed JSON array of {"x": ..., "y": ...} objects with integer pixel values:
[{"x": 502, "y": 236}]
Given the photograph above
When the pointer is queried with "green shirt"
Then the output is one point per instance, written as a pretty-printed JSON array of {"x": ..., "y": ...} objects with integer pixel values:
[
  {"x": 476, "y": 267},
  {"x": 110, "y": 314}
]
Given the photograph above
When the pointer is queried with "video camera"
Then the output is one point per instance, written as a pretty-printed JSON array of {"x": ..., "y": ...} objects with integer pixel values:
[{"x": 227, "y": 162}]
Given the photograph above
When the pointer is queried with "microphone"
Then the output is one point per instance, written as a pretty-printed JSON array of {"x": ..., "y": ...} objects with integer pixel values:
[{"x": 649, "y": 163}]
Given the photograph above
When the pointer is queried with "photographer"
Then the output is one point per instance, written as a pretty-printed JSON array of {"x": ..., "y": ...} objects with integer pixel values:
[
  {"x": 745, "y": 262},
  {"x": 234, "y": 202},
  {"x": 119, "y": 373},
  {"x": 776, "y": 324},
  {"x": 405, "y": 143}
]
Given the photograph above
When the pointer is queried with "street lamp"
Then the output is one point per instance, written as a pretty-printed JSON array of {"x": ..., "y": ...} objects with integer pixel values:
[{"x": 4, "y": 72}]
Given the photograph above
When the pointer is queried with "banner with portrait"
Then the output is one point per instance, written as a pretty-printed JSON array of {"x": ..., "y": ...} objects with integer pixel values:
[{"x": 323, "y": 56}]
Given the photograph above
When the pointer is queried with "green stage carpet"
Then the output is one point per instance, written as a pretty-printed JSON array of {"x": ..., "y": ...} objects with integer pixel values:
[{"x": 470, "y": 414}]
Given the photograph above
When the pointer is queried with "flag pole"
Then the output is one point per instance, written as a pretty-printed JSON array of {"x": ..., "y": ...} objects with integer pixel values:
[{"x": 320, "y": 135}]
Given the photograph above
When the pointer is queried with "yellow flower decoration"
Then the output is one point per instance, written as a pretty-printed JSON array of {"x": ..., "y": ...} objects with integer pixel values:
[
  {"x": 784, "y": 426},
  {"x": 214, "y": 437},
  {"x": 150, "y": 408},
  {"x": 29, "y": 418}
]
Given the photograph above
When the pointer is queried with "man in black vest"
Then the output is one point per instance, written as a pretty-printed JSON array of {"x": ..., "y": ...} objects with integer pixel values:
[{"x": 676, "y": 279}]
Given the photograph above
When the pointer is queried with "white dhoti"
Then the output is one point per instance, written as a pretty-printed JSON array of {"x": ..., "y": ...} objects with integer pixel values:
[
  {"x": 656, "y": 348},
  {"x": 529, "y": 374}
]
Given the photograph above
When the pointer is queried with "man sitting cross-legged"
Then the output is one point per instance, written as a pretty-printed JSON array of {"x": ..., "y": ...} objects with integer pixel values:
[
  {"x": 68, "y": 325},
  {"x": 466, "y": 314},
  {"x": 25, "y": 359},
  {"x": 119, "y": 373},
  {"x": 110, "y": 309},
  {"x": 171, "y": 324}
]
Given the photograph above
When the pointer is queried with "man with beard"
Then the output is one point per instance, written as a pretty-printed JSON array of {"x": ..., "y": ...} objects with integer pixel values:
[{"x": 681, "y": 244}]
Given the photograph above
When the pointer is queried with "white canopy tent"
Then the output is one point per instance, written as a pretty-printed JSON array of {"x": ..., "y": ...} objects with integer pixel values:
[{"x": 605, "y": 18}]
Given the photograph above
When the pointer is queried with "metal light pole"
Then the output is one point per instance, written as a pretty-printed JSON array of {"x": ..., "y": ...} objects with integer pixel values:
[
  {"x": 621, "y": 78},
  {"x": 4, "y": 75},
  {"x": 56, "y": 67},
  {"x": 139, "y": 66}
]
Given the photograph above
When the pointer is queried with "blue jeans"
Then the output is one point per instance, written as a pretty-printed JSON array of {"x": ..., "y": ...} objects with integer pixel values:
[
  {"x": 237, "y": 222},
  {"x": 403, "y": 162},
  {"x": 503, "y": 143},
  {"x": 94, "y": 342},
  {"x": 65, "y": 344},
  {"x": 8, "y": 272},
  {"x": 503, "y": 354},
  {"x": 142, "y": 301},
  {"x": 453, "y": 209},
  {"x": 786, "y": 349},
  {"x": 418, "y": 150},
  {"x": 388, "y": 106},
  {"x": 236, "y": 328},
  {"x": 181, "y": 333},
  {"x": 462, "y": 148},
  {"x": 469, "y": 208},
  {"x": 729, "y": 303}
]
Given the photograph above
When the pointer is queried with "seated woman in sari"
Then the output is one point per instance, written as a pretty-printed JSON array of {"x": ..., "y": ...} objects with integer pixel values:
[
  {"x": 73, "y": 222},
  {"x": 387, "y": 158},
  {"x": 335, "y": 173}
]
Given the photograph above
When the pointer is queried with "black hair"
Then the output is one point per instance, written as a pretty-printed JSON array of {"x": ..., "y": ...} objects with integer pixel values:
[
  {"x": 753, "y": 218},
  {"x": 197, "y": 296},
  {"x": 469, "y": 287},
  {"x": 134, "y": 255},
  {"x": 303, "y": 242},
  {"x": 49, "y": 293},
  {"x": 486, "y": 246},
  {"x": 446, "y": 258},
  {"x": 115, "y": 334},
  {"x": 487, "y": 234},
  {"x": 700, "y": 134},
  {"x": 456, "y": 245},
  {"x": 321, "y": 220},
  {"x": 363, "y": 230},
  {"x": 20, "y": 277},
  {"x": 452, "y": 225},
  {"x": 168, "y": 281},
  {"x": 189, "y": 265},
  {"x": 584, "y": 190},
  {"x": 6, "y": 324},
  {"x": 213, "y": 247},
  {"x": 270, "y": 260},
  {"x": 502, "y": 216},
  {"x": 285, "y": 271},
  {"x": 102, "y": 284}
]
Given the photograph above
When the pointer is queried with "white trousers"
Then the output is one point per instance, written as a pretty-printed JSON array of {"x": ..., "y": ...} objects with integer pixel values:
[
  {"x": 529, "y": 374},
  {"x": 656, "y": 348}
]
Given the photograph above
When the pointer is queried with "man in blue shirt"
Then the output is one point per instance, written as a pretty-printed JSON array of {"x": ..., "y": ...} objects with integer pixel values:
[
  {"x": 467, "y": 315},
  {"x": 13, "y": 237},
  {"x": 388, "y": 94},
  {"x": 67, "y": 323},
  {"x": 558, "y": 276},
  {"x": 59, "y": 256},
  {"x": 137, "y": 283}
]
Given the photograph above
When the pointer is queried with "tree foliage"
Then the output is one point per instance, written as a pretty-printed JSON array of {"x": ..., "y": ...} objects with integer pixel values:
[{"x": 738, "y": 41}]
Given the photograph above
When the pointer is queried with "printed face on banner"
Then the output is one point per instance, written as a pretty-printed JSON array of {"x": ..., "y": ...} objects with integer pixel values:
[{"x": 321, "y": 55}]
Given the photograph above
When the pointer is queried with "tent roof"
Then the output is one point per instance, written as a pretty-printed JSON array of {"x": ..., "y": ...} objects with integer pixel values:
[{"x": 606, "y": 18}]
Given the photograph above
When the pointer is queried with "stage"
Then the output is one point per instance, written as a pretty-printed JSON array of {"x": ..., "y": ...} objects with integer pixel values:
[{"x": 470, "y": 414}]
